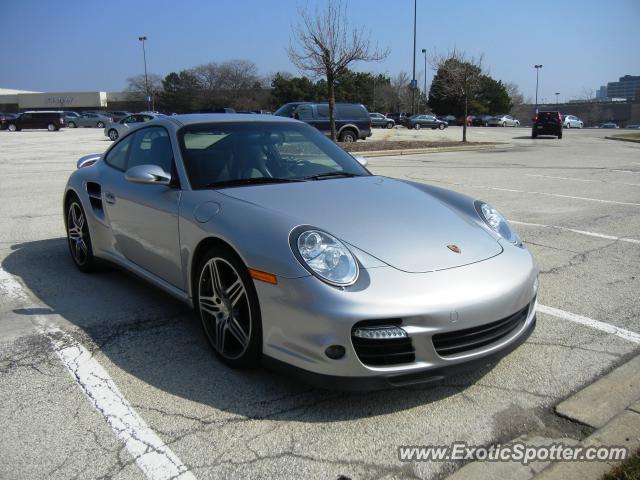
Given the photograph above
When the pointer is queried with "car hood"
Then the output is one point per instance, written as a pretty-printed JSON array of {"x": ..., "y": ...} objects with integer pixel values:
[{"x": 401, "y": 225}]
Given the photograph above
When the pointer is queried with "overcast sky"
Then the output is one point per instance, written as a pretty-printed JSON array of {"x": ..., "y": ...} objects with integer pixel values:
[{"x": 93, "y": 45}]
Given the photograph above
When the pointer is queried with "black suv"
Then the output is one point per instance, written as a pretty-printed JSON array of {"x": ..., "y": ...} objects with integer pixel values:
[
  {"x": 52, "y": 121},
  {"x": 547, "y": 123},
  {"x": 352, "y": 119}
]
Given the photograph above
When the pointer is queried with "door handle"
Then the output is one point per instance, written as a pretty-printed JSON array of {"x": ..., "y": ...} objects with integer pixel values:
[{"x": 109, "y": 198}]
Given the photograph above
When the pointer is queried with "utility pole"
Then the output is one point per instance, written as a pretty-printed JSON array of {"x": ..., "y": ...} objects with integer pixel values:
[
  {"x": 413, "y": 79},
  {"x": 424, "y": 91},
  {"x": 146, "y": 79}
]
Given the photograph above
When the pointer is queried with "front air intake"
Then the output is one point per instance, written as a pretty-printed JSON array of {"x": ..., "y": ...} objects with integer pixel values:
[{"x": 379, "y": 343}]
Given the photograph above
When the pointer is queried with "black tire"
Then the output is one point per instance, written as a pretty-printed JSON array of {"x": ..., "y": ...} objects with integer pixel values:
[
  {"x": 52, "y": 127},
  {"x": 12, "y": 127},
  {"x": 212, "y": 308},
  {"x": 113, "y": 134},
  {"x": 560, "y": 135},
  {"x": 348, "y": 136},
  {"x": 77, "y": 237},
  {"x": 390, "y": 125},
  {"x": 100, "y": 124},
  {"x": 441, "y": 126},
  {"x": 72, "y": 124},
  {"x": 417, "y": 126},
  {"x": 534, "y": 134}
]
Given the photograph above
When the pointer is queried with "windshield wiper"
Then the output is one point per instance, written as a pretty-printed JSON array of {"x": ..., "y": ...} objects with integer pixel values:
[
  {"x": 236, "y": 182},
  {"x": 322, "y": 176}
]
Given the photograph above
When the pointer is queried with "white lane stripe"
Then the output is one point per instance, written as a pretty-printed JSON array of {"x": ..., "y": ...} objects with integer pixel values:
[
  {"x": 513, "y": 190},
  {"x": 590, "y": 322},
  {"x": 581, "y": 232},
  {"x": 625, "y": 171},
  {"x": 151, "y": 454},
  {"x": 581, "y": 179}
]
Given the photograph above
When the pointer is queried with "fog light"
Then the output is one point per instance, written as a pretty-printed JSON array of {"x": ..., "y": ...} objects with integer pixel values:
[
  {"x": 335, "y": 352},
  {"x": 379, "y": 333}
]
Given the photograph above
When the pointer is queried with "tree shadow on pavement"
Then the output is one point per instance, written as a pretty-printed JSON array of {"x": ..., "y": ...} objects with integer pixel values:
[{"x": 158, "y": 340}]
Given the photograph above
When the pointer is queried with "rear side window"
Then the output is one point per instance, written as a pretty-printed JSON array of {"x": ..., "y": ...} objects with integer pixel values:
[
  {"x": 323, "y": 111},
  {"x": 352, "y": 112},
  {"x": 117, "y": 156},
  {"x": 304, "y": 112}
]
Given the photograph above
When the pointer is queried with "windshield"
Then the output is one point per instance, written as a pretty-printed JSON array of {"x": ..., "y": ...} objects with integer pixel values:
[
  {"x": 286, "y": 110},
  {"x": 231, "y": 154}
]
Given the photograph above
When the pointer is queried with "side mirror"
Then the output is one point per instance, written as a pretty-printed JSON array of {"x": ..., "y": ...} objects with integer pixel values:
[
  {"x": 148, "y": 174},
  {"x": 361, "y": 160}
]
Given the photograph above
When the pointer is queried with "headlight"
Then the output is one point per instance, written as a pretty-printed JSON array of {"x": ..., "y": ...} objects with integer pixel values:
[
  {"x": 325, "y": 256},
  {"x": 496, "y": 222}
]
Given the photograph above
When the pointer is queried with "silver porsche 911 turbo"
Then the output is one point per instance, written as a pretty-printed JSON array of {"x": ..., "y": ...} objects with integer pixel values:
[{"x": 293, "y": 254}]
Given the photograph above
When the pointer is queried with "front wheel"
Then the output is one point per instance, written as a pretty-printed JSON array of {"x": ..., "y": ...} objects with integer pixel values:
[
  {"x": 113, "y": 134},
  {"x": 504, "y": 124},
  {"x": 12, "y": 128},
  {"x": 78, "y": 237},
  {"x": 417, "y": 126},
  {"x": 100, "y": 125},
  {"x": 348, "y": 136},
  {"x": 441, "y": 126},
  {"x": 51, "y": 127},
  {"x": 568, "y": 125},
  {"x": 72, "y": 124},
  {"x": 228, "y": 307},
  {"x": 517, "y": 124},
  {"x": 559, "y": 135},
  {"x": 389, "y": 125}
]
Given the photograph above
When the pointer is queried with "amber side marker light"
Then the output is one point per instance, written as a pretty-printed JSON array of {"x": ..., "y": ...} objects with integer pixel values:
[{"x": 263, "y": 276}]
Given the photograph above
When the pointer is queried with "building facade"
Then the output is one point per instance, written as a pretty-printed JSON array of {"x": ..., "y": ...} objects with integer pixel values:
[
  {"x": 21, "y": 100},
  {"x": 627, "y": 87}
]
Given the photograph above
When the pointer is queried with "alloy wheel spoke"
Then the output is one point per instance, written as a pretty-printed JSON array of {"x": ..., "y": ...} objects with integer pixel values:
[
  {"x": 83, "y": 247},
  {"x": 80, "y": 222},
  {"x": 236, "y": 330},
  {"x": 208, "y": 304},
  {"x": 215, "y": 278},
  {"x": 235, "y": 292},
  {"x": 220, "y": 333}
]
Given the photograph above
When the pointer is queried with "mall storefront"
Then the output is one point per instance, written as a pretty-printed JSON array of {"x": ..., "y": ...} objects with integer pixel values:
[{"x": 16, "y": 101}]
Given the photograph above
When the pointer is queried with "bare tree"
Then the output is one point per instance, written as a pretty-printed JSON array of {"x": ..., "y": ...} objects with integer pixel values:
[
  {"x": 401, "y": 92},
  {"x": 461, "y": 78},
  {"x": 136, "y": 88},
  {"x": 516, "y": 96},
  {"x": 324, "y": 44}
]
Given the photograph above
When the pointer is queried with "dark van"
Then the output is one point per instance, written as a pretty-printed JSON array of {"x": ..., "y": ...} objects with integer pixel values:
[
  {"x": 51, "y": 120},
  {"x": 352, "y": 119}
]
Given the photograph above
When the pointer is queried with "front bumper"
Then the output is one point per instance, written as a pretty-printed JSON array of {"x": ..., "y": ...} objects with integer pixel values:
[{"x": 302, "y": 317}]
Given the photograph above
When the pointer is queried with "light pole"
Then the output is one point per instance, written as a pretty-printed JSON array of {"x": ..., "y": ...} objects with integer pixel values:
[
  {"x": 557, "y": 93},
  {"x": 413, "y": 79},
  {"x": 146, "y": 79},
  {"x": 537, "y": 67},
  {"x": 424, "y": 91}
]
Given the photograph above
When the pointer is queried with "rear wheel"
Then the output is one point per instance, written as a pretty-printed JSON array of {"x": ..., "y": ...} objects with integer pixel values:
[
  {"x": 100, "y": 125},
  {"x": 560, "y": 135},
  {"x": 417, "y": 126},
  {"x": 228, "y": 307},
  {"x": 51, "y": 127},
  {"x": 78, "y": 236},
  {"x": 534, "y": 134},
  {"x": 568, "y": 125},
  {"x": 348, "y": 136},
  {"x": 12, "y": 128},
  {"x": 72, "y": 124},
  {"x": 504, "y": 124},
  {"x": 441, "y": 126},
  {"x": 389, "y": 125},
  {"x": 113, "y": 134}
]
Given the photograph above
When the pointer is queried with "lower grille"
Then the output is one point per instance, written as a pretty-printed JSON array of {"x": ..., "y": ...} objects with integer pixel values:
[
  {"x": 459, "y": 341},
  {"x": 382, "y": 351}
]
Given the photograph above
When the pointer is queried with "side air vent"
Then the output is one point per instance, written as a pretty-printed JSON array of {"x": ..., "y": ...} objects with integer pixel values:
[{"x": 95, "y": 196}]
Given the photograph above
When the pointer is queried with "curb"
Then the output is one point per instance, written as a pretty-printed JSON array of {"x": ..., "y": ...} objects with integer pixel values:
[
  {"x": 611, "y": 404},
  {"x": 620, "y": 139},
  {"x": 412, "y": 151}
]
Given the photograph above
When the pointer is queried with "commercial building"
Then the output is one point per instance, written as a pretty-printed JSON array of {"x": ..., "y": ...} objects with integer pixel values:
[
  {"x": 627, "y": 87},
  {"x": 20, "y": 100}
]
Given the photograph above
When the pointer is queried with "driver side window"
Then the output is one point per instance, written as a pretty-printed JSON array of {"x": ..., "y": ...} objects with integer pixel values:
[{"x": 151, "y": 146}]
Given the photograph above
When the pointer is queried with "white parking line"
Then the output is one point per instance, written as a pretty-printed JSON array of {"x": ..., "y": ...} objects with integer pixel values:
[
  {"x": 625, "y": 171},
  {"x": 581, "y": 179},
  {"x": 581, "y": 232},
  {"x": 590, "y": 322},
  {"x": 152, "y": 456},
  {"x": 513, "y": 190}
]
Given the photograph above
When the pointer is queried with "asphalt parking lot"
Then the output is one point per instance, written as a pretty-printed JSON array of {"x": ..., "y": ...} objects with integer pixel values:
[{"x": 575, "y": 202}]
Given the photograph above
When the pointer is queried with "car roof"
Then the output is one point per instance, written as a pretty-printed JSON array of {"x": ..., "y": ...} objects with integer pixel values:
[{"x": 196, "y": 118}]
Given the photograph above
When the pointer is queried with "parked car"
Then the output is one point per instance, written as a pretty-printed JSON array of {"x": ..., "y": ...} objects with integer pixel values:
[
  {"x": 503, "y": 121},
  {"x": 469, "y": 120},
  {"x": 381, "y": 120},
  {"x": 609, "y": 125},
  {"x": 118, "y": 115},
  {"x": 116, "y": 129},
  {"x": 633, "y": 127},
  {"x": 4, "y": 118},
  {"x": 481, "y": 120},
  {"x": 352, "y": 119},
  {"x": 96, "y": 120},
  {"x": 450, "y": 119},
  {"x": 547, "y": 123},
  {"x": 571, "y": 121},
  {"x": 397, "y": 117},
  {"x": 288, "y": 249},
  {"x": 51, "y": 120},
  {"x": 429, "y": 121},
  {"x": 70, "y": 117},
  {"x": 287, "y": 109}
]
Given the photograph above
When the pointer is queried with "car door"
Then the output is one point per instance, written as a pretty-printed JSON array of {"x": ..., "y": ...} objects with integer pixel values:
[
  {"x": 26, "y": 120},
  {"x": 144, "y": 217}
]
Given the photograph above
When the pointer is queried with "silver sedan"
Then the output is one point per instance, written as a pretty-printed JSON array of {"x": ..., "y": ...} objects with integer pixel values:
[
  {"x": 96, "y": 120},
  {"x": 293, "y": 254},
  {"x": 503, "y": 121},
  {"x": 116, "y": 129}
]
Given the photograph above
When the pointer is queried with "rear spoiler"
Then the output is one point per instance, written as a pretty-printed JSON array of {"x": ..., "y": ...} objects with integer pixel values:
[{"x": 88, "y": 160}]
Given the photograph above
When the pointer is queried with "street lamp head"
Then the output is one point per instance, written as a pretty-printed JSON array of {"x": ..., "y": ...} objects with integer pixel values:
[
  {"x": 537, "y": 66},
  {"x": 424, "y": 50},
  {"x": 142, "y": 39}
]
